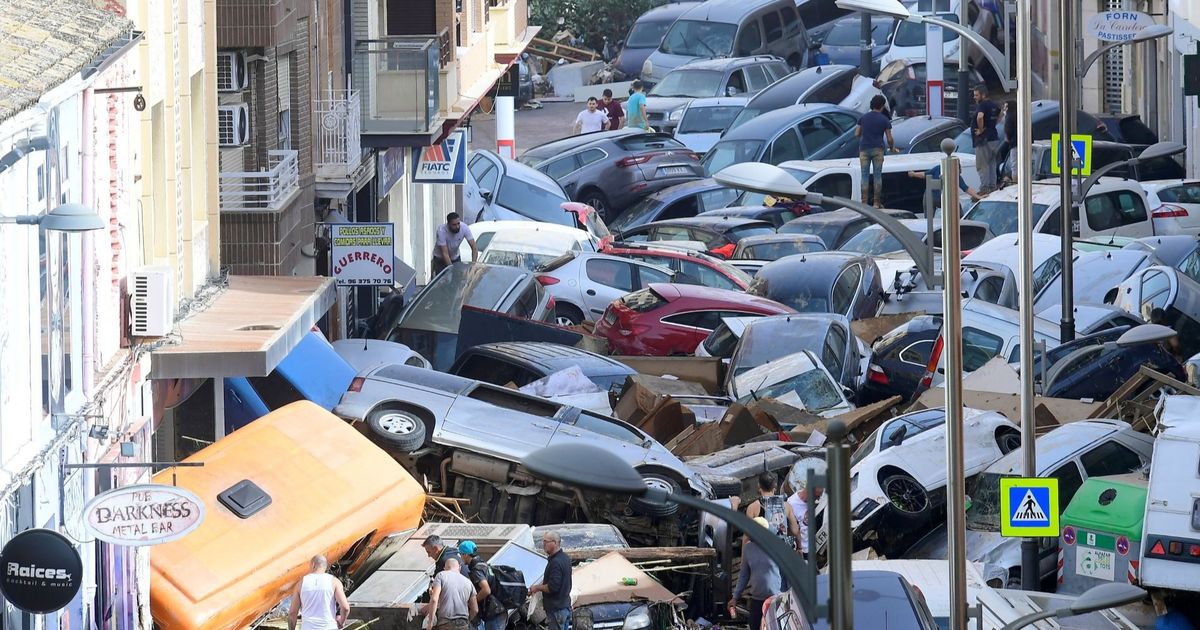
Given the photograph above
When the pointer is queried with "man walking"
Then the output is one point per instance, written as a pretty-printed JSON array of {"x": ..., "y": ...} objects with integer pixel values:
[
  {"x": 450, "y": 236},
  {"x": 441, "y": 554},
  {"x": 758, "y": 578},
  {"x": 616, "y": 115},
  {"x": 492, "y": 613},
  {"x": 591, "y": 119},
  {"x": 799, "y": 504},
  {"x": 451, "y": 599},
  {"x": 635, "y": 107},
  {"x": 556, "y": 583},
  {"x": 985, "y": 139},
  {"x": 873, "y": 127},
  {"x": 316, "y": 598}
]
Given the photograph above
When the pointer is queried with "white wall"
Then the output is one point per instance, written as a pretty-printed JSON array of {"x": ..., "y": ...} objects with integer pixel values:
[{"x": 1183, "y": 114}]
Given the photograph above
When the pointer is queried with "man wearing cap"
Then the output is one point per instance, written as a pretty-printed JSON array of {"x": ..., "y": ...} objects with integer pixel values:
[
  {"x": 758, "y": 578},
  {"x": 492, "y": 613}
]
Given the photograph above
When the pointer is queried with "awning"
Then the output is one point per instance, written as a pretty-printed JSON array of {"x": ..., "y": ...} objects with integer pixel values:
[{"x": 247, "y": 330}]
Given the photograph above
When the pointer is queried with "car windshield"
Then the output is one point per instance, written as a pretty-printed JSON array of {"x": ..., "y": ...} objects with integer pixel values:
[
  {"x": 984, "y": 513},
  {"x": 731, "y": 152},
  {"x": 647, "y": 34},
  {"x": 747, "y": 114},
  {"x": 804, "y": 298},
  {"x": 1001, "y": 216},
  {"x": 779, "y": 249},
  {"x": 525, "y": 260},
  {"x": 758, "y": 199},
  {"x": 873, "y": 241},
  {"x": 639, "y": 213},
  {"x": 707, "y": 119},
  {"x": 532, "y": 201},
  {"x": 699, "y": 38},
  {"x": 439, "y": 306},
  {"x": 845, "y": 32},
  {"x": 913, "y": 33},
  {"x": 689, "y": 83},
  {"x": 811, "y": 391},
  {"x": 767, "y": 340}
]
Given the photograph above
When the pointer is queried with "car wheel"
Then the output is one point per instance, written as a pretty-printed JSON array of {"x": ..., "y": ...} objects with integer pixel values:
[
  {"x": 1008, "y": 440},
  {"x": 567, "y": 315},
  {"x": 652, "y": 508},
  {"x": 723, "y": 486},
  {"x": 906, "y": 495},
  {"x": 597, "y": 200},
  {"x": 400, "y": 428}
]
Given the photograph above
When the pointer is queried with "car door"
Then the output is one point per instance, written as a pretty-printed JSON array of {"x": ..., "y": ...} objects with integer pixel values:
[
  {"x": 482, "y": 182},
  {"x": 1146, "y": 291},
  {"x": 1069, "y": 482},
  {"x": 1119, "y": 212},
  {"x": 650, "y": 274},
  {"x": 833, "y": 355},
  {"x": 757, "y": 78},
  {"x": 846, "y": 290},
  {"x": 820, "y": 136},
  {"x": 845, "y": 124},
  {"x": 786, "y": 146},
  {"x": 526, "y": 424},
  {"x": 605, "y": 280},
  {"x": 562, "y": 170},
  {"x": 585, "y": 427}
]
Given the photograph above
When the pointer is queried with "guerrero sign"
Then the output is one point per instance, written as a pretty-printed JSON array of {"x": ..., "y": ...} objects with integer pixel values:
[
  {"x": 42, "y": 571},
  {"x": 145, "y": 514},
  {"x": 362, "y": 254},
  {"x": 1117, "y": 26}
]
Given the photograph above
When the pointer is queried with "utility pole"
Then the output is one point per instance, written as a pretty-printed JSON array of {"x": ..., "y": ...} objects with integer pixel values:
[
  {"x": 1066, "y": 115},
  {"x": 956, "y": 491},
  {"x": 964, "y": 76},
  {"x": 841, "y": 587},
  {"x": 866, "y": 45}
]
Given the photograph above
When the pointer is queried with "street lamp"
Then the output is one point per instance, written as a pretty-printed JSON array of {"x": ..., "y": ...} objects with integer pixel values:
[
  {"x": 1154, "y": 31},
  {"x": 893, "y": 8},
  {"x": 588, "y": 466},
  {"x": 1109, "y": 595},
  {"x": 68, "y": 217}
]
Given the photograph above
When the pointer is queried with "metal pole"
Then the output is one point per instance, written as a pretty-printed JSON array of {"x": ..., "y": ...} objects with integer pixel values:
[
  {"x": 1029, "y": 559},
  {"x": 841, "y": 588},
  {"x": 964, "y": 75},
  {"x": 956, "y": 491},
  {"x": 866, "y": 44},
  {"x": 1066, "y": 120}
]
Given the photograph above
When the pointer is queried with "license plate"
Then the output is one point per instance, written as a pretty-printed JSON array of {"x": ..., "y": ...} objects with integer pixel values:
[
  {"x": 1095, "y": 563},
  {"x": 671, "y": 171}
]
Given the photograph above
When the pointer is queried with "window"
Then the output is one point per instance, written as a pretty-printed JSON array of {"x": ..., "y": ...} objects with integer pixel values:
[
  {"x": 989, "y": 289},
  {"x": 834, "y": 185},
  {"x": 672, "y": 233},
  {"x": 283, "y": 88},
  {"x": 650, "y": 275},
  {"x": 978, "y": 348},
  {"x": 488, "y": 369},
  {"x": 1110, "y": 458},
  {"x": 1053, "y": 223},
  {"x": 681, "y": 209},
  {"x": 1114, "y": 210},
  {"x": 636, "y": 236},
  {"x": 610, "y": 273},
  {"x": 736, "y": 84},
  {"x": 1156, "y": 288},
  {"x": 817, "y": 133},
  {"x": 275, "y": 390},
  {"x": 561, "y": 167},
  {"x": 786, "y": 147},
  {"x": 933, "y": 143},
  {"x": 749, "y": 40},
  {"x": 1046, "y": 272},
  {"x": 834, "y": 90},
  {"x": 487, "y": 177},
  {"x": 527, "y": 302},
  {"x": 706, "y": 276},
  {"x": 833, "y": 354},
  {"x": 1190, "y": 266},
  {"x": 707, "y": 320},
  {"x": 603, "y": 426},
  {"x": 917, "y": 353},
  {"x": 772, "y": 26},
  {"x": 789, "y": 17},
  {"x": 591, "y": 156},
  {"x": 844, "y": 122},
  {"x": 1069, "y": 481},
  {"x": 756, "y": 79},
  {"x": 715, "y": 199},
  {"x": 844, "y": 289}
]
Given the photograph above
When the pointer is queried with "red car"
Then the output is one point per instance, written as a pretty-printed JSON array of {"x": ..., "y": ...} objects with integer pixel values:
[
  {"x": 691, "y": 267},
  {"x": 667, "y": 319}
]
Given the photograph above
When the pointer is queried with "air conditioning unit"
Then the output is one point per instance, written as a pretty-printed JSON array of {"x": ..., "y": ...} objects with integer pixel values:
[
  {"x": 152, "y": 308},
  {"x": 232, "y": 74},
  {"x": 233, "y": 125}
]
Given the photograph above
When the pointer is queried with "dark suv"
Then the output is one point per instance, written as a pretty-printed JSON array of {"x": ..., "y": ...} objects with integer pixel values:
[{"x": 610, "y": 170}]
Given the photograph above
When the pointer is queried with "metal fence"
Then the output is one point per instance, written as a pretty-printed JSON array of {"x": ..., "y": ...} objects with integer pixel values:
[
  {"x": 339, "y": 129},
  {"x": 267, "y": 190}
]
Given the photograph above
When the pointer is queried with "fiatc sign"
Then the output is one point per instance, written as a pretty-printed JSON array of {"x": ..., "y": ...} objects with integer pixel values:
[
  {"x": 42, "y": 571},
  {"x": 363, "y": 254},
  {"x": 144, "y": 514},
  {"x": 442, "y": 163}
]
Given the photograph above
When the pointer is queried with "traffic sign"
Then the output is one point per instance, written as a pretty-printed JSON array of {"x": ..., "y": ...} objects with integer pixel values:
[
  {"x": 1081, "y": 154},
  {"x": 1028, "y": 507}
]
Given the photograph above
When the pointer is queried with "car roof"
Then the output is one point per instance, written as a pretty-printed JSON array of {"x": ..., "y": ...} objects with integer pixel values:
[
  {"x": 785, "y": 91},
  {"x": 718, "y": 101},
  {"x": 1059, "y": 444},
  {"x": 734, "y": 211},
  {"x": 667, "y": 12},
  {"x": 844, "y": 216},
  {"x": 904, "y": 130},
  {"x": 554, "y": 356},
  {"x": 729, "y": 11},
  {"x": 789, "y": 237},
  {"x": 1045, "y": 192},
  {"x": 717, "y": 222},
  {"x": 1158, "y": 184},
  {"x": 1004, "y": 250},
  {"x": 893, "y": 163},
  {"x": 526, "y": 173},
  {"x": 987, "y": 309},
  {"x": 725, "y": 63},
  {"x": 673, "y": 292},
  {"x": 814, "y": 264},
  {"x": 550, "y": 149},
  {"x": 671, "y": 193},
  {"x": 768, "y": 124}
]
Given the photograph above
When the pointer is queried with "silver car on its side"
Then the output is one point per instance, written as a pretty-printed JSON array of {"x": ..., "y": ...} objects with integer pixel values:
[{"x": 583, "y": 284}]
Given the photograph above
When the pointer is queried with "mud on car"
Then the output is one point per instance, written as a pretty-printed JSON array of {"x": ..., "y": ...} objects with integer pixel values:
[{"x": 468, "y": 439}]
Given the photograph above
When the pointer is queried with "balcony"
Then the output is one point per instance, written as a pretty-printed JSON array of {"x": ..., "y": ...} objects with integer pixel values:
[
  {"x": 269, "y": 190},
  {"x": 510, "y": 28},
  {"x": 402, "y": 90},
  {"x": 338, "y": 162}
]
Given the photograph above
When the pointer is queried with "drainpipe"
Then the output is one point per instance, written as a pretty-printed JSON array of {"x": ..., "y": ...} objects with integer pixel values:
[{"x": 87, "y": 293}]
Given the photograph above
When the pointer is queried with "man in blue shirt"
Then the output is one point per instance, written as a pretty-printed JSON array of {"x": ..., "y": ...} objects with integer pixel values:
[
  {"x": 635, "y": 107},
  {"x": 872, "y": 129},
  {"x": 985, "y": 139}
]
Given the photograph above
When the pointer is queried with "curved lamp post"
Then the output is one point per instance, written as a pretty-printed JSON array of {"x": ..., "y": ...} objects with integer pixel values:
[
  {"x": 68, "y": 217},
  {"x": 587, "y": 466},
  {"x": 1100, "y": 597},
  {"x": 1154, "y": 31}
]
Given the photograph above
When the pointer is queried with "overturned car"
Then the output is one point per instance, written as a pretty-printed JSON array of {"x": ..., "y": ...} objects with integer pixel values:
[{"x": 468, "y": 439}]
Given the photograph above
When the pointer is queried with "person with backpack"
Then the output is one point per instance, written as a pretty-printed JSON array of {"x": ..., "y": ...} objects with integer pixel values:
[
  {"x": 493, "y": 615},
  {"x": 774, "y": 507}
]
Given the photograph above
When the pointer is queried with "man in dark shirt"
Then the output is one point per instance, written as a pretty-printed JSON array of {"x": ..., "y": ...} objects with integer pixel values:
[
  {"x": 439, "y": 553},
  {"x": 616, "y": 115},
  {"x": 556, "y": 583},
  {"x": 985, "y": 139},
  {"x": 492, "y": 614},
  {"x": 872, "y": 129}
]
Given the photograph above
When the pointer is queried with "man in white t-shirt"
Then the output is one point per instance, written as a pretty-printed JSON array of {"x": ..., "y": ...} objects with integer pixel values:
[
  {"x": 591, "y": 119},
  {"x": 799, "y": 503},
  {"x": 450, "y": 236}
]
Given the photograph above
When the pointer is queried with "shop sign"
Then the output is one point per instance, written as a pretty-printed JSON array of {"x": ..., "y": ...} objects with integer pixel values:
[
  {"x": 363, "y": 254},
  {"x": 1118, "y": 26},
  {"x": 143, "y": 514},
  {"x": 42, "y": 571},
  {"x": 391, "y": 169},
  {"x": 442, "y": 163}
]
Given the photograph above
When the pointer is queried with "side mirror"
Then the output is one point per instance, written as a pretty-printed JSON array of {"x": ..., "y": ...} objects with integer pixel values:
[
  {"x": 486, "y": 195},
  {"x": 732, "y": 91},
  {"x": 898, "y": 437}
]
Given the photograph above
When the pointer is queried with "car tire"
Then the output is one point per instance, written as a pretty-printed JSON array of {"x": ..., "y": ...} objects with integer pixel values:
[
  {"x": 596, "y": 199},
  {"x": 907, "y": 497},
  {"x": 650, "y": 508},
  {"x": 399, "y": 427},
  {"x": 1008, "y": 440},
  {"x": 567, "y": 315},
  {"x": 724, "y": 487}
]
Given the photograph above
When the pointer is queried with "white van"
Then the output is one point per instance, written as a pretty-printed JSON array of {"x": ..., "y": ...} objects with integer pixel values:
[{"x": 1171, "y": 530}]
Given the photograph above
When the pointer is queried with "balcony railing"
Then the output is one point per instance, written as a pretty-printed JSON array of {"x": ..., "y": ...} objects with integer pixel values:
[
  {"x": 402, "y": 90},
  {"x": 268, "y": 190},
  {"x": 339, "y": 129}
]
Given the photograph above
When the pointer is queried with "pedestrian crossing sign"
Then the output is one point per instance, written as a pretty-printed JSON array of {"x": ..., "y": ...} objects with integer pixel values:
[
  {"x": 1080, "y": 151},
  {"x": 1028, "y": 507}
]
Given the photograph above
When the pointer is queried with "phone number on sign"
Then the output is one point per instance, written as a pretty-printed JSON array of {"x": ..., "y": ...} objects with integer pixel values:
[{"x": 382, "y": 282}]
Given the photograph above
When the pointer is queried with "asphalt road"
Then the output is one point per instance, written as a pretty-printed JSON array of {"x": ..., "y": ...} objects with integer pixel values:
[{"x": 532, "y": 126}]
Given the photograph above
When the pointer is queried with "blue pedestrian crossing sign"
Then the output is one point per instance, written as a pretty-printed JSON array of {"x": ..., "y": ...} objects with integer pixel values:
[
  {"x": 1080, "y": 151},
  {"x": 1028, "y": 507}
]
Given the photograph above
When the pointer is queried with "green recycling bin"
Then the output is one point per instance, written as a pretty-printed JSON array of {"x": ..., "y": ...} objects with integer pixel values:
[{"x": 1101, "y": 533}]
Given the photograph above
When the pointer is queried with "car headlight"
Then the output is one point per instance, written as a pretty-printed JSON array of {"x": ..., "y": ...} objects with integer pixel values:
[
  {"x": 676, "y": 115},
  {"x": 863, "y": 509},
  {"x": 647, "y": 69},
  {"x": 637, "y": 619}
]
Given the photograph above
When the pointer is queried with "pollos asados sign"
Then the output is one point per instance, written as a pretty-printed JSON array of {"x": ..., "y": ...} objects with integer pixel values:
[{"x": 144, "y": 514}]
